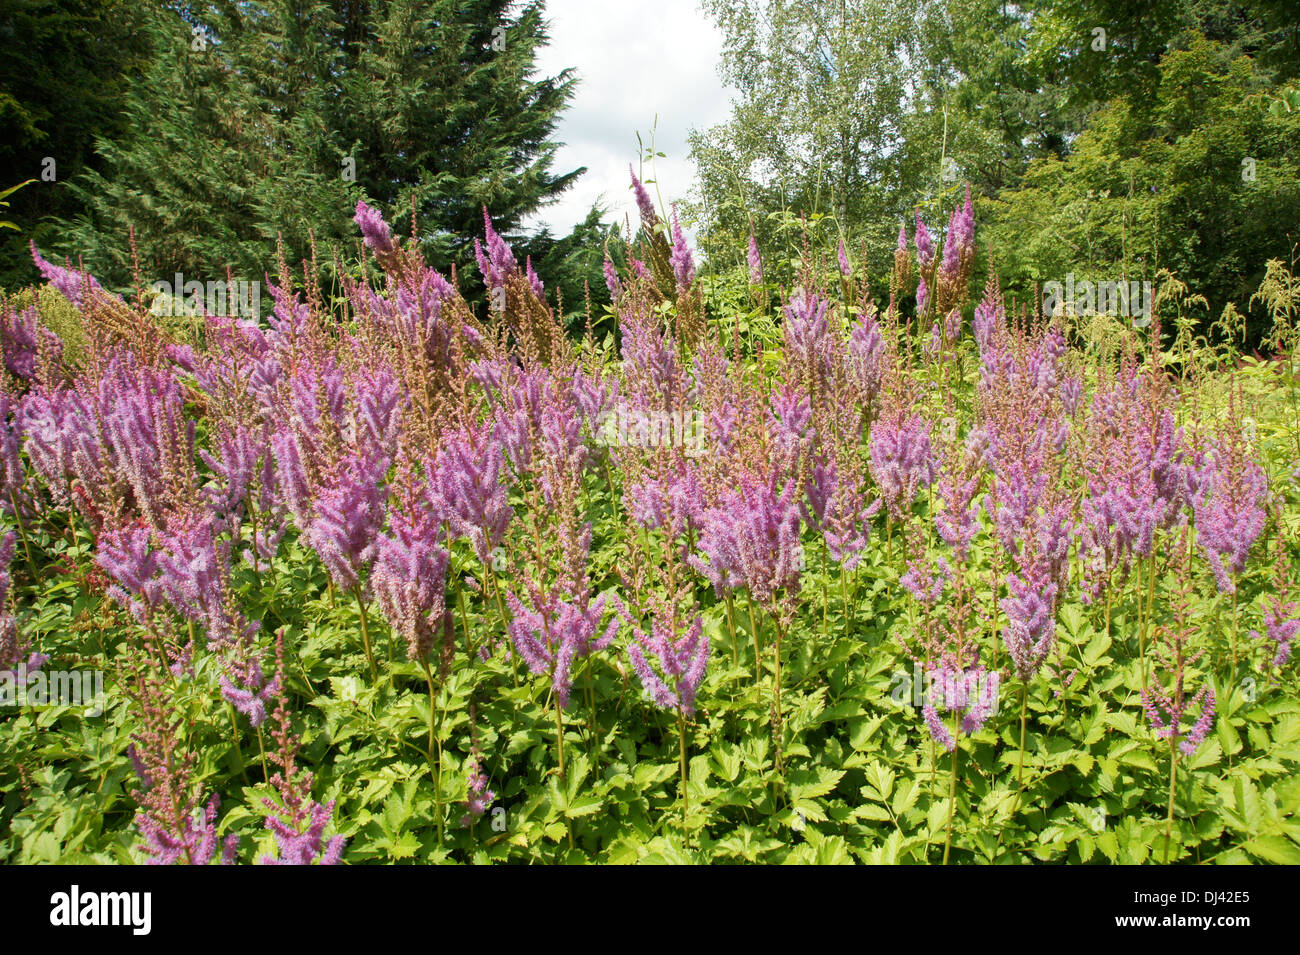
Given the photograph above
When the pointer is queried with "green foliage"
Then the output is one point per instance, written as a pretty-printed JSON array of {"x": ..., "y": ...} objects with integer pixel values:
[
  {"x": 1202, "y": 181},
  {"x": 259, "y": 124},
  {"x": 862, "y": 781},
  {"x": 65, "y": 69}
]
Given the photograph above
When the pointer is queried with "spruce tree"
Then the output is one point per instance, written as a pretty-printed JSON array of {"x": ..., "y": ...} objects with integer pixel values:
[{"x": 265, "y": 121}]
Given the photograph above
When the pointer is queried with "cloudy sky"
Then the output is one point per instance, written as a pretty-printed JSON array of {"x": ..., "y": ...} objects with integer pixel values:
[{"x": 634, "y": 60}]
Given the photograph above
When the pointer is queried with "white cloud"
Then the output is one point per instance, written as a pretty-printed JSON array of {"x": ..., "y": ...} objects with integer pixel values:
[{"x": 633, "y": 61}]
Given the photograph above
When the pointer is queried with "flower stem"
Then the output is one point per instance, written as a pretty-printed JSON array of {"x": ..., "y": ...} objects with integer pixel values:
[
  {"x": 731, "y": 630},
  {"x": 365, "y": 630},
  {"x": 776, "y": 696},
  {"x": 1173, "y": 780},
  {"x": 1020, "y": 769},
  {"x": 952, "y": 786},
  {"x": 681, "y": 750},
  {"x": 435, "y": 746}
]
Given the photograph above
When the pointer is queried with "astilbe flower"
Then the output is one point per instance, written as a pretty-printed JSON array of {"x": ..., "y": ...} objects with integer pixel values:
[
  {"x": 1282, "y": 613},
  {"x": 1131, "y": 463},
  {"x": 751, "y": 539},
  {"x": 346, "y": 516},
  {"x": 518, "y": 397},
  {"x": 534, "y": 282},
  {"x": 681, "y": 651},
  {"x": 11, "y": 646},
  {"x": 842, "y": 255},
  {"x": 1167, "y": 716},
  {"x": 682, "y": 261},
  {"x": 754, "y": 261},
  {"x": 466, "y": 487},
  {"x": 75, "y": 285},
  {"x": 837, "y": 507},
  {"x": 239, "y": 367},
  {"x": 925, "y": 579},
  {"x": 595, "y": 394},
  {"x": 1281, "y": 623},
  {"x": 13, "y": 476},
  {"x": 793, "y": 436},
  {"x": 297, "y": 820},
  {"x": 374, "y": 229},
  {"x": 121, "y": 440},
  {"x": 957, "y": 516},
  {"x": 611, "y": 279},
  {"x": 126, "y": 554},
  {"x": 1168, "y": 712},
  {"x": 647, "y": 208},
  {"x": 810, "y": 348},
  {"x": 1229, "y": 507},
  {"x": 25, "y": 342},
  {"x": 555, "y": 632},
  {"x": 901, "y": 459},
  {"x": 924, "y": 244},
  {"x": 666, "y": 495},
  {"x": 958, "y": 256},
  {"x": 332, "y": 455},
  {"x": 409, "y": 576},
  {"x": 172, "y": 828},
  {"x": 864, "y": 359},
  {"x": 478, "y": 796},
  {"x": 497, "y": 263},
  {"x": 245, "y": 482},
  {"x": 654, "y": 377},
  {"x": 563, "y": 451},
  {"x": 971, "y": 692},
  {"x": 187, "y": 568},
  {"x": 1035, "y": 588}
]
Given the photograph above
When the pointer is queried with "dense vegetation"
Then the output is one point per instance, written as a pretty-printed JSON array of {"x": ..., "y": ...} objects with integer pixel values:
[{"x": 804, "y": 577}]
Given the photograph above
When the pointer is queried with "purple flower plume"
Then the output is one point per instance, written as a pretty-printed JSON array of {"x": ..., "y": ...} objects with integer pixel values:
[{"x": 374, "y": 229}]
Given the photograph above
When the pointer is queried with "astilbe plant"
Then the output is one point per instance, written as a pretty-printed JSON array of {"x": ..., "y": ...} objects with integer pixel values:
[
  {"x": 1228, "y": 503},
  {"x": 1281, "y": 616},
  {"x": 173, "y": 828},
  {"x": 901, "y": 458},
  {"x": 1177, "y": 714},
  {"x": 751, "y": 538},
  {"x": 296, "y": 819},
  {"x": 670, "y": 656},
  {"x": 11, "y": 643}
]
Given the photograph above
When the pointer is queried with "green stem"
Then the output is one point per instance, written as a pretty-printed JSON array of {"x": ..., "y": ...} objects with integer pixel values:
[
  {"x": 1234, "y": 628},
  {"x": 681, "y": 750},
  {"x": 826, "y": 598},
  {"x": 952, "y": 786},
  {"x": 1143, "y": 633},
  {"x": 1020, "y": 769},
  {"x": 501, "y": 612},
  {"x": 731, "y": 630},
  {"x": 1173, "y": 781},
  {"x": 849, "y": 609},
  {"x": 434, "y": 751},
  {"x": 365, "y": 630},
  {"x": 778, "y": 735},
  {"x": 22, "y": 530}
]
